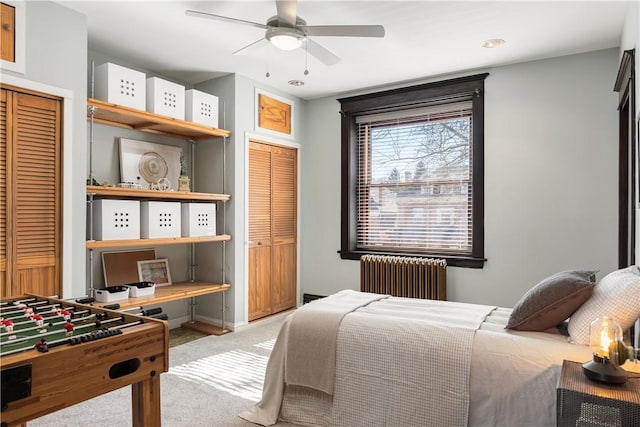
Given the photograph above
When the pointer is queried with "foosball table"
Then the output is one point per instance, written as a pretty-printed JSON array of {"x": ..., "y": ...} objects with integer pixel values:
[{"x": 56, "y": 353}]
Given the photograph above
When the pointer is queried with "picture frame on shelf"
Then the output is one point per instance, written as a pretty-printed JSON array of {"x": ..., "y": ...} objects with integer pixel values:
[
  {"x": 153, "y": 166},
  {"x": 156, "y": 271}
]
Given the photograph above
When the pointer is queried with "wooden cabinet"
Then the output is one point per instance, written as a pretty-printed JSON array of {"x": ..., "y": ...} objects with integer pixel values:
[
  {"x": 124, "y": 117},
  {"x": 272, "y": 229},
  {"x": 8, "y": 31},
  {"x": 30, "y": 187}
]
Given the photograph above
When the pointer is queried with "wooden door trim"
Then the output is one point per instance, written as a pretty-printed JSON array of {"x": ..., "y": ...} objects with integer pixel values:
[{"x": 252, "y": 137}]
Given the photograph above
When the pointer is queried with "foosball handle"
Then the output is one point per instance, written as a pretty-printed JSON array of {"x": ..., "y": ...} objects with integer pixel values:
[
  {"x": 152, "y": 311},
  {"x": 112, "y": 306},
  {"x": 161, "y": 317},
  {"x": 85, "y": 300}
]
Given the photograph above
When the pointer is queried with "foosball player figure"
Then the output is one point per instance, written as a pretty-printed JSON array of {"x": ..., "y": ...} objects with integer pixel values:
[
  {"x": 66, "y": 314},
  {"x": 28, "y": 311},
  {"x": 42, "y": 346},
  {"x": 68, "y": 328},
  {"x": 8, "y": 325},
  {"x": 40, "y": 322}
]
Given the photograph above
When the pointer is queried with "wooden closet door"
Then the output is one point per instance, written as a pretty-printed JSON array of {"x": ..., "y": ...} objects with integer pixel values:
[
  {"x": 259, "y": 231},
  {"x": 272, "y": 229},
  {"x": 31, "y": 194},
  {"x": 283, "y": 219}
]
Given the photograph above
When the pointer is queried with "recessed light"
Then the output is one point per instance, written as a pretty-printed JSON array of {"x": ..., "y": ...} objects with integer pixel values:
[
  {"x": 491, "y": 43},
  {"x": 296, "y": 82}
]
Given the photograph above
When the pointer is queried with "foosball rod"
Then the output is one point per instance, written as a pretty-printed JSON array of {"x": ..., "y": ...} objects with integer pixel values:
[
  {"x": 135, "y": 310},
  {"x": 13, "y": 302},
  {"x": 18, "y": 310}
]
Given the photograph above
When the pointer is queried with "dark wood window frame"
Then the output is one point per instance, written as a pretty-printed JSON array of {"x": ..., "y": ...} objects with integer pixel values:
[
  {"x": 470, "y": 87},
  {"x": 628, "y": 158}
]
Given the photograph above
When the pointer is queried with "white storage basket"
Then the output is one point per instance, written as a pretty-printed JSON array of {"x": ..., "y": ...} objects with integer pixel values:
[
  {"x": 201, "y": 108},
  {"x": 165, "y": 97},
  {"x": 120, "y": 85},
  {"x": 116, "y": 219},
  {"x": 159, "y": 219},
  {"x": 198, "y": 219}
]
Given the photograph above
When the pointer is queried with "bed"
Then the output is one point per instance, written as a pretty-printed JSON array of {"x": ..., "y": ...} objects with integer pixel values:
[{"x": 359, "y": 359}]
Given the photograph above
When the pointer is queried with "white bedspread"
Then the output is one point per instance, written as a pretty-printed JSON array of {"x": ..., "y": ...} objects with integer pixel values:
[
  {"x": 383, "y": 351},
  {"x": 313, "y": 333},
  {"x": 388, "y": 375}
]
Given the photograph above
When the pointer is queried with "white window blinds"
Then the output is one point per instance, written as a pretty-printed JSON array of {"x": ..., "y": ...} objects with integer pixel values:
[{"x": 415, "y": 180}]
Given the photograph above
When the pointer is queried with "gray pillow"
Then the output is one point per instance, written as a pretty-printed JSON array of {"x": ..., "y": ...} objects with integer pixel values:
[{"x": 552, "y": 301}]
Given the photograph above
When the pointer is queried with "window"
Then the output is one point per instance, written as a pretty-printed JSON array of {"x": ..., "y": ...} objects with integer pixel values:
[{"x": 412, "y": 172}]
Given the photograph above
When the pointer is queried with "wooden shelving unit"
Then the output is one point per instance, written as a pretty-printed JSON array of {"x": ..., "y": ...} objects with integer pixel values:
[{"x": 129, "y": 118}]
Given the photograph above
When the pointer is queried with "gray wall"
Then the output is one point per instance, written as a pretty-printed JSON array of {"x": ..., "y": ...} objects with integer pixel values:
[
  {"x": 56, "y": 56},
  {"x": 550, "y": 181}
]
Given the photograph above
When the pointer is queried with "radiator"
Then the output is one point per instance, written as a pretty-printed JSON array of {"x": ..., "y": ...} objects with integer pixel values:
[{"x": 404, "y": 276}]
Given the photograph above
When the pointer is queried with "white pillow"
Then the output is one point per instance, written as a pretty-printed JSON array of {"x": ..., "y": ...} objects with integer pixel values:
[{"x": 617, "y": 295}]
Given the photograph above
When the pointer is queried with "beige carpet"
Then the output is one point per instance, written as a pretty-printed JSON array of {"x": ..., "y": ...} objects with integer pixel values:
[{"x": 210, "y": 380}]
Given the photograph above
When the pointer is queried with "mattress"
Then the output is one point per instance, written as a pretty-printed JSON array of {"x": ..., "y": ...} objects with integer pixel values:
[{"x": 510, "y": 381}]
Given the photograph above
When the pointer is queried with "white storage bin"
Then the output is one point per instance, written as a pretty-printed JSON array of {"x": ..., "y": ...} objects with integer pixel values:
[
  {"x": 159, "y": 219},
  {"x": 112, "y": 293},
  {"x": 116, "y": 219},
  {"x": 141, "y": 289},
  {"x": 165, "y": 97},
  {"x": 201, "y": 107},
  {"x": 120, "y": 85},
  {"x": 198, "y": 219}
]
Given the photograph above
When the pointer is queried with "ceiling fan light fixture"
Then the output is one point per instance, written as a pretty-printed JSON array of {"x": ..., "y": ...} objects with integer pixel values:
[{"x": 285, "y": 38}]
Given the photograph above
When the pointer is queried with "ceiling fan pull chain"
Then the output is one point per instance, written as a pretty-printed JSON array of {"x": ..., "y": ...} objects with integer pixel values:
[{"x": 306, "y": 56}]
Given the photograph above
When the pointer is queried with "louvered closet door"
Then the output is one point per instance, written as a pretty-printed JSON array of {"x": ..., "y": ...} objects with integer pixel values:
[
  {"x": 272, "y": 229},
  {"x": 259, "y": 231},
  {"x": 283, "y": 218},
  {"x": 32, "y": 194}
]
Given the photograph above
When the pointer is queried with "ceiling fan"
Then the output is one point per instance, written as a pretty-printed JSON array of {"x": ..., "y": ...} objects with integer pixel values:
[{"x": 287, "y": 31}]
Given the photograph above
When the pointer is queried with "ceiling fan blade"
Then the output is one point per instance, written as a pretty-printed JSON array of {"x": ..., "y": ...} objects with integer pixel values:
[
  {"x": 343, "y": 30},
  {"x": 320, "y": 53},
  {"x": 250, "y": 45},
  {"x": 223, "y": 18},
  {"x": 287, "y": 10}
]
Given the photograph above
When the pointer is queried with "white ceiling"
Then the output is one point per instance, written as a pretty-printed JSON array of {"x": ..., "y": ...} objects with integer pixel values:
[{"x": 423, "y": 38}]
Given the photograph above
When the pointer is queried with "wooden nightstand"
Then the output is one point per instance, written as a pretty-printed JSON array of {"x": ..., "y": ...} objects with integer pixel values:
[{"x": 585, "y": 403}]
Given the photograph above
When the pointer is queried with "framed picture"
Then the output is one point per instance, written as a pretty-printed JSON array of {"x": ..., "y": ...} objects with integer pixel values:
[
  {"x": 155, "y": 270},
  {"x": 153, "y": 166},
  {"x": 274, "y": 114}
]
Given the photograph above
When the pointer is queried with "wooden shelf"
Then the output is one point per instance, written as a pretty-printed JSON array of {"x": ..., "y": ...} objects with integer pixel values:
[
  {"x": 155, "y": 194},
  {"x": 169, "y": 293},
  {"x": 131, "y": 118},
  {"x": 175, "y": 292},
  {"x": 163, "y": 241}
]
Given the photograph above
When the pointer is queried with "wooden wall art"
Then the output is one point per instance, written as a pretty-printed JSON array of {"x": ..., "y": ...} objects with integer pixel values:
[{"x": 274, "y": 115}]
